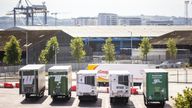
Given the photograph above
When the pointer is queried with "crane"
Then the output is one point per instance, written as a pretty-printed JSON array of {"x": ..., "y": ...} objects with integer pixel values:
[{"x": 29, "y": 10}]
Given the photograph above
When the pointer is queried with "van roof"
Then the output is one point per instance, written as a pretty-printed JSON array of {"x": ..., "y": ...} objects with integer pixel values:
[
  {"x": 59, "y": 68},
  {"x": 154, "y": 70},
  {"x": 87, "y": 72},
  {"x": 119, "y": 72},
  {"x": 32, "y": 67}
]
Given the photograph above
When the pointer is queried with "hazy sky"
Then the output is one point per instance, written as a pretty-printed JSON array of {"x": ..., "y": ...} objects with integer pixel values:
[{"x": 76, "y": 8}]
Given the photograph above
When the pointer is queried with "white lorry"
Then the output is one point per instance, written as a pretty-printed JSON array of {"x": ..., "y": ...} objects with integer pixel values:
[
  {"x": 32, "y": 80},
  {"x": 120, "y": 83},
  {"x": 87, "y": 85},
  {"x": 135, "y": 69}
]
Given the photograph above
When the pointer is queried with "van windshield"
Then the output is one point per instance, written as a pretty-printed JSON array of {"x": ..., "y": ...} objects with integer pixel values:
[
  {"x": 123, "y": 79},
  {"x": 90, "y": 80}
]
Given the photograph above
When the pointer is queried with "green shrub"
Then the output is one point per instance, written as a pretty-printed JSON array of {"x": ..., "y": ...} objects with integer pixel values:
[{"x": 184, "y": 100}]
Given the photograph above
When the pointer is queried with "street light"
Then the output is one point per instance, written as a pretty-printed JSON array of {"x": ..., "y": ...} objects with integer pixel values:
[
  {"x": 54, "y": 48},
  {"x": 131, "y": 45},
  {"x": 26, "y": 47}
]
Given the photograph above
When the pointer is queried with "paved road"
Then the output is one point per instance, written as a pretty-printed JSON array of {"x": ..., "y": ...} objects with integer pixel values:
[{"x": 10, "y": 98}]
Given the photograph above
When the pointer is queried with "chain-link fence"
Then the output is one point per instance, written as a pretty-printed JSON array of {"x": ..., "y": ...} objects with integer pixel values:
[
  {"x": 183, "y": 75},
  {"x": 11, "y": 74},
  {"x": 177, "y": 75}
]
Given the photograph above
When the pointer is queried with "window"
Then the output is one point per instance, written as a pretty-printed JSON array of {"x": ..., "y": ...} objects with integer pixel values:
[
  {"x": 123, "y": 79},
  {"x": 90, "y": 80}
]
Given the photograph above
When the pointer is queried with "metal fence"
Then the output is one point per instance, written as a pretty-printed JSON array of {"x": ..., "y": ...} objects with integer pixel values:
[
  {"x": 11, "y": 74},
  {"x": 179, "y": 75},
  {"x": 183, "y": 75}
]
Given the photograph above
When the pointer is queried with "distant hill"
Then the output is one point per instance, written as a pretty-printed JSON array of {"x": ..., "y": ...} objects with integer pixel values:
[{"x": 7, "y": 22}]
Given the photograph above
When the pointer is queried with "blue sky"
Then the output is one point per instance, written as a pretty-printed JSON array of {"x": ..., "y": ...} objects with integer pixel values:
[{"x": 76, "y": 8}]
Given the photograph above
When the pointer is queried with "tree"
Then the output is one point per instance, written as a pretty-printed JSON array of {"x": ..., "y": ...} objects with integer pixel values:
[
  {"x": 42, "y": 56},
  {"x": 185, "y": 100},
  {"x": 145, "y": 46},
  {"x": 12, "y": 52},
  {"x": 171, "y": 48},
  {"x": 77, "y": 49},
  {"x": 48, "y": 53},
  {"x": 109, "y": 50}
]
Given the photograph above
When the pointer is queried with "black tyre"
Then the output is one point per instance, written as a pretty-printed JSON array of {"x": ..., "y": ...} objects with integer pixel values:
[
  {"x": 162, "y": 103},
  {"x": 68, "y": 96},
  {"x": 54, "y": 98},
  {"x": 111, "y": 100},
  {"x": 27, "y": 96},
  {"x": 126, "y": 100},
  {"x": 95, "y": 98}
]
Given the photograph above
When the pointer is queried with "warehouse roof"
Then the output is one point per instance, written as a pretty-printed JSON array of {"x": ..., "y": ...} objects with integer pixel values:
[
  {"x": 181, "y": 38},
  {"x": 32, "y": 67},
  {"x": 109, "y": 31}
]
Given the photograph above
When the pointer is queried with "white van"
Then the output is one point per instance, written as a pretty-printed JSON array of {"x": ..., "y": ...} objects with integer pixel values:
[
  {"x": 87, "y": 85},
  {"x": 120, "y": 83}
]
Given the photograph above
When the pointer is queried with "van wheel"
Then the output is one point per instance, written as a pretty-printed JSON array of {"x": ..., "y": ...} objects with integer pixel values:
[
  {"x": 95, "y": 98},
  {"x": 162, "y": 103},
  {"x": 54, "y": 98},
  {"x": 69, "y": 96},
  {"x": 145, "y": 100},
  {"x": 112, "y": 100},
  {"x": 27, "y": 96},
  {"x": 125, "y": 100}
]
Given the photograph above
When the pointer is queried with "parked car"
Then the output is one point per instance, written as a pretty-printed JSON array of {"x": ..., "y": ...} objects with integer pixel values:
[
  {"x": 166, "y": 64},
  {"x": 180, "y": 64}
]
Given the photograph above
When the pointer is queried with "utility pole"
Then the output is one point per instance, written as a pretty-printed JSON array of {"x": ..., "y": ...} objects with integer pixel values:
[
  {"x": 26, "y": 47},
  {"x": 186, "y": 12},
  {"x": 55, "y": 13},
  {"x": 131, "y": 44}
]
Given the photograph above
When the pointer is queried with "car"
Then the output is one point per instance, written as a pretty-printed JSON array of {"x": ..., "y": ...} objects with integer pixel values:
[
  {"x": 166, "y": 64},
  {"x": 180, "y": 64}
]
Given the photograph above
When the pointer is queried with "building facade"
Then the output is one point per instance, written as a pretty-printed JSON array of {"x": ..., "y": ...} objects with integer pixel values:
[
  {"x": 107, "y": 19},
  {"x": 129, "y": 21}
]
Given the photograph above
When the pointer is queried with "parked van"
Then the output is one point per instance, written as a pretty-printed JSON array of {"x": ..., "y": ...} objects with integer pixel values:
[
  {"x": 60, "y": 82},
  {"x": 155, "y": 86},
  {"x": 87, "y": 85},
  {"x": 120, "y": 83},
  {"x": 32, "y": 80}
]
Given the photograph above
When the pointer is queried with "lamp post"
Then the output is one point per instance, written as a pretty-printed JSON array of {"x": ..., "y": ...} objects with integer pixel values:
[
  {"x": 55, "y": 49},
  {"x": 131, "y": 44},
  {"x": 26, "y": 47}
]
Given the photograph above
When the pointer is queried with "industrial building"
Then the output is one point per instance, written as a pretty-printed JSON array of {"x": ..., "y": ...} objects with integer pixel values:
[
  {"x": 125, "y": 38},
  {"x": 107, "y": 19}
]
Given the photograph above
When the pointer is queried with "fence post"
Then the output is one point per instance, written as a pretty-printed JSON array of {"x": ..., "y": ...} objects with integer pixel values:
[
  {"x": 177, "y": 76},
  {"x": 5, "y": 68},
  {"x": 186, "y": 74}
]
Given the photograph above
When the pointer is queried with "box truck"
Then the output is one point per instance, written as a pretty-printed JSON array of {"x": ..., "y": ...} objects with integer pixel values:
[
  {"x": 32, "y": 80},
  {"x": 87, "y": 85},
  {"x": 60, "y": 82},
  {"x": 155, "y": 86},
  {"x": 120, "y": 83},
  {"x": 135, "y": 69}
]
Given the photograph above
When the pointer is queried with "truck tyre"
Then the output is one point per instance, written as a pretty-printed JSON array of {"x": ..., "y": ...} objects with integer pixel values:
[
  {"x": 126, "y": 100},
  {"x": 53, "y": 98},
  {"x": 80, "y": 98},
  {"x": 145, "y": 100},
  {"x": 68, "y": 96},
  {"x": 27, "y": 96},
  {"x": 162, "y": 103},
  {"x": 112, "y": 100},
  {"x": 95, "y": 98}
]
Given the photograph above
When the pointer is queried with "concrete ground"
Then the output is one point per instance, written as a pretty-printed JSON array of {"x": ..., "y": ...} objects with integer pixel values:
[{"x": 10, "y": 98}]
